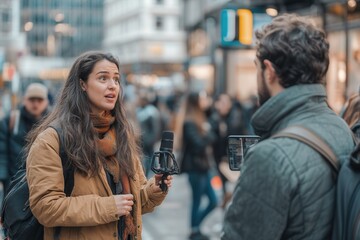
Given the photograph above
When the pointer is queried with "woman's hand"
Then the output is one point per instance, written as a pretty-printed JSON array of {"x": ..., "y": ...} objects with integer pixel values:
[
  {"x": 124, "y": 203},
  {"x": 158, "y": 181}
]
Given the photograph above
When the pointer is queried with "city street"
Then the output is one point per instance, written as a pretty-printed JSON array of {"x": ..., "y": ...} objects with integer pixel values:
[{"x": 171, "y": 220}]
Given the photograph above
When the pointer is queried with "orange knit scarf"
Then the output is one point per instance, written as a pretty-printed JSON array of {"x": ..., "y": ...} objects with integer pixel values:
[{"x": 107, "y": 148}]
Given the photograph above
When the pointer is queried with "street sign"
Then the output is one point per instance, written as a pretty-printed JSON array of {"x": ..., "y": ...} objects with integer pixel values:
[{"x": 237, "y": 26}]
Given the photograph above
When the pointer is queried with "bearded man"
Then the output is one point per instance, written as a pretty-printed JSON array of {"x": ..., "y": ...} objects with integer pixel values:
[{"x": 286, "y": 189}]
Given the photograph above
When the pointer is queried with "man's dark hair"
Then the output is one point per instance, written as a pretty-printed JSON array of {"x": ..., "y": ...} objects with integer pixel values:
[{"x": 297, "y": 49}]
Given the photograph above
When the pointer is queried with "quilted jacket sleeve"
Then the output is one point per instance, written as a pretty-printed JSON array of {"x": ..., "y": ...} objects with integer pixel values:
[{"x": 260, "y": 205}]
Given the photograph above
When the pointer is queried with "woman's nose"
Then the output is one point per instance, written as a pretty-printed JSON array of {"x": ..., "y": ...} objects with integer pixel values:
[{"x": 112, "y": 83}]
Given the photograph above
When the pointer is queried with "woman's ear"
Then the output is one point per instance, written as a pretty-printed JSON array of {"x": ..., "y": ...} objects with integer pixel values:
[{"x": 83, "y": 85}]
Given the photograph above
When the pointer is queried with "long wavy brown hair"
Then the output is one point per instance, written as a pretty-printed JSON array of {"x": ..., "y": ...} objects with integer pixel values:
[
  {"x": 194, "y": 113},
  {"x": 189, "y": 111},
  {"x": 72, "y": 114}
]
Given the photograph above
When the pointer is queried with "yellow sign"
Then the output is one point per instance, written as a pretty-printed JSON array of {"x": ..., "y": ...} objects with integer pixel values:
[{"x": 245, "y": 26}]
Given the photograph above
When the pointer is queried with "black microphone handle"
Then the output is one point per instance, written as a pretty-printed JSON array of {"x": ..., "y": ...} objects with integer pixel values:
[{"x": 163, "y": 185}]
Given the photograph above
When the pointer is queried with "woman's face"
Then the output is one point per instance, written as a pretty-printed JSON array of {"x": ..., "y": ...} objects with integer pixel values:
[
  {"x": 102, "y": 86},
  {"x": 204, "y": 101}
]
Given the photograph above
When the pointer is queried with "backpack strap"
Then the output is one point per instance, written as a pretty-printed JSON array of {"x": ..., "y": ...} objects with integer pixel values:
[
  {"x": 308, "y": 137},
  {"x": 68, "y": 172}
]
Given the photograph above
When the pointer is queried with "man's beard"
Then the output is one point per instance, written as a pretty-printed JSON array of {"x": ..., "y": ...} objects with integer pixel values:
[{"x": 263, "y": 91}]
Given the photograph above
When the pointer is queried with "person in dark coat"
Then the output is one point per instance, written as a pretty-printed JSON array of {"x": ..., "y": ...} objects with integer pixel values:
[
  {"x": 286, "y": 189},
  {"x": 197, "y": 139},
  {"x": 15, "y": 126},
  {"x": 225, "y": 120},
  {"x": 149, "y": 120}
]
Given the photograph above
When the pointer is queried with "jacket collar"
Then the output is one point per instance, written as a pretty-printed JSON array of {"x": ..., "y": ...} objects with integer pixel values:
[{"x": 278, "y": 107}]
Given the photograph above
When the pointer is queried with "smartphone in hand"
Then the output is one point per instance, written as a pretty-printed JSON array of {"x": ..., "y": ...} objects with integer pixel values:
[{"x": 237, "y": 147}]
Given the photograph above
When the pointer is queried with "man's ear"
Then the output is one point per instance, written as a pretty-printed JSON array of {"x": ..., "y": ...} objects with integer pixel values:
[
  {"x": 270, "y": 73},
  {"x": 272, "y": 80},
  {"x": 83, "y": 85}
]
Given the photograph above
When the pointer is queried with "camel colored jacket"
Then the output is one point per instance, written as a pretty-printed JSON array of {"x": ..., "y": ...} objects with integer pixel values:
[{"x": 90, "y": 212}]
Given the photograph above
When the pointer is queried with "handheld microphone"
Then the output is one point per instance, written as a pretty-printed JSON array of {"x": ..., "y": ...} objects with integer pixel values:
[{"x": 163, "y": 161}]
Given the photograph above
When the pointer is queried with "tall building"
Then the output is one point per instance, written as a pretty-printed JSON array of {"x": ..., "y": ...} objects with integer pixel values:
[
  {"x": 146, "y": 35},
  {"x": 56, "y": 32},
  {"x": 63, "y": 28},
  {"x": 11, "y": 40},
  {"x": 12, "y": 43}
]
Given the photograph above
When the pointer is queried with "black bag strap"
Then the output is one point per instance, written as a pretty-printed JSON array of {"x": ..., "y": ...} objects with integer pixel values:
[
  {"x": 68, "y": 172},
  {"x": 311, "y": 139}
]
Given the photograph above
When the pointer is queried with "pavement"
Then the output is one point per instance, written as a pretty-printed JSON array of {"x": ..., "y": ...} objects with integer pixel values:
[{"x": 171, "y": 220}]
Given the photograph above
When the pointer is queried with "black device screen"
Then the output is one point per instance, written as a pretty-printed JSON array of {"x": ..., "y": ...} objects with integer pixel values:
[{"x": 237, "y": 147}]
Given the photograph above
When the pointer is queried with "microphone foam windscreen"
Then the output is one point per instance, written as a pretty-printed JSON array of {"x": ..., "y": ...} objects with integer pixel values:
[{"x": 167, "y": 140}]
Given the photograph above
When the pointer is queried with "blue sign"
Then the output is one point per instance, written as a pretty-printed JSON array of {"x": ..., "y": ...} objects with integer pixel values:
[{"x": 238, "y": 26}]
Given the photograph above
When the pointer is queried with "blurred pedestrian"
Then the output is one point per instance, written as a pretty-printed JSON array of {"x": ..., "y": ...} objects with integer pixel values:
[
  {"x": 225, "y": 120},
  {"x": 351, "y": 113},
  {"x": 197, "y": 139},
  {"x": 149, "y": 119},
  {"x": 110, "y": 189},
  {"x": 286, "y": 189},
  {"x": 248, "y": 108},
  {"x": 15, "y": 126}
]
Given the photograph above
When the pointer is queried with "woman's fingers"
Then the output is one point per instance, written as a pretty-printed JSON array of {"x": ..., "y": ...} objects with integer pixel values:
[{"x": 124, "y": 203}]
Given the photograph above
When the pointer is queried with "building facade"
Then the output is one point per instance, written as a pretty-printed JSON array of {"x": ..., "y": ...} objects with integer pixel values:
[
  {"x": 63, "y": 28},
  {"x": 56, "y": 32},
  {"x": 231, "y": 69},
  {"x": 12, "y": 44},
  {"x": 146, "y": 35}
]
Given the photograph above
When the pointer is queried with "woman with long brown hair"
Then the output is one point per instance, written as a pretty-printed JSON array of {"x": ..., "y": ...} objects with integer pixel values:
[
  {"x": 110, "y": 190},
  {"x": 197, "y": 139}
]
